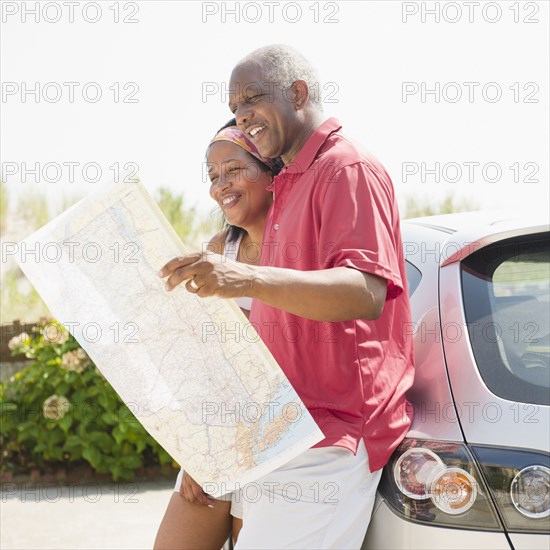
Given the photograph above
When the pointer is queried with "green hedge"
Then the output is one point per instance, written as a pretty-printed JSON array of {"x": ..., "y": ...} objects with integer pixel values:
[{"x": 61, "y": 410}]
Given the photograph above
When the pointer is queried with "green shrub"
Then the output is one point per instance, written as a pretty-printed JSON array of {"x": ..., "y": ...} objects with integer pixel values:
[{"x": 60, "y": 410}]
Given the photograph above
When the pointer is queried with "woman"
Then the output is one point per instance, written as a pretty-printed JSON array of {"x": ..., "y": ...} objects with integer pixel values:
[{"x": 239, "y": 178}]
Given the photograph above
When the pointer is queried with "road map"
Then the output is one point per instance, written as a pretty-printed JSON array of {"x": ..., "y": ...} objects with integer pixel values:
[{"x": 193, "y": 370}]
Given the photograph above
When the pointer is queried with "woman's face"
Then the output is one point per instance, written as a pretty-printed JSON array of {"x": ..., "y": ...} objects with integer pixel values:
[{"x": 238, "y": 184}]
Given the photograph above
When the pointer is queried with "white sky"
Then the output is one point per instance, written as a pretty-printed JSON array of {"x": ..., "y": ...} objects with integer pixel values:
[{"x": 363, "y": 59}]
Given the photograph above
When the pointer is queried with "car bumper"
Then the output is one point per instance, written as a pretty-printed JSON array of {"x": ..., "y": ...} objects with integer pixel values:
[{"x": 388, "y": 531}]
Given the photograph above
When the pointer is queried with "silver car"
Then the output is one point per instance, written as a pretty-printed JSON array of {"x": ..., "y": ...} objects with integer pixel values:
[{"x": 474, "y": 470}]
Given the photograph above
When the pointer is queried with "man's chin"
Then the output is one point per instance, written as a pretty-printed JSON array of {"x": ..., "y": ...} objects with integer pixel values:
[
  {"x": 263, "y": 144},
  {"x": 267, "y": 150}
]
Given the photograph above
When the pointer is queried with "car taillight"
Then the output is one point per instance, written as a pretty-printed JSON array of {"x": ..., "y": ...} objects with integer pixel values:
[
  {"x": 519, "y": 482},
  {"x": 414, "y": 471},
  {"x": 438, "y": 482},
  {"x": 530, "y": 492},
  {"x": 445, "y": 484},
  {"x": 454, "y": 491}
]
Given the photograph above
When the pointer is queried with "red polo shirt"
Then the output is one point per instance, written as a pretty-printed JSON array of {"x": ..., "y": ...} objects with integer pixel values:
[{"x": 335, "y": 206}]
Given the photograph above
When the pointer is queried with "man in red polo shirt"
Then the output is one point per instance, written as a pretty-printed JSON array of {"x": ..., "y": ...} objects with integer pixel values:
[{"x": 330, "y": 302}]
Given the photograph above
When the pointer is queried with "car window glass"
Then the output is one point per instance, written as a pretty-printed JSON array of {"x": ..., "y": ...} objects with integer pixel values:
[
  {"x": 413, "y": 277},
  {"x": 506, "y": 288}
]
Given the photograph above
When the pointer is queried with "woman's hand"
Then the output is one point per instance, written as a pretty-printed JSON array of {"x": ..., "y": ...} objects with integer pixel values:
[{"x": 191, "y": 491}]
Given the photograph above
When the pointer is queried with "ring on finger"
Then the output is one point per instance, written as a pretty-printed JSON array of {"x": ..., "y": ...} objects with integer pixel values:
[{"x": 194, "y": 284}]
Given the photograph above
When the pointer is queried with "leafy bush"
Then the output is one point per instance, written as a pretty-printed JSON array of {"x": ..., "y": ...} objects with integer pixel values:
[{"x": 60, "y": 409}]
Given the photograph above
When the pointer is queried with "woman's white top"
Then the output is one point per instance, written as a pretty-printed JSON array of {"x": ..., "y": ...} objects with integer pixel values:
[{"x": 230, "y": 250}]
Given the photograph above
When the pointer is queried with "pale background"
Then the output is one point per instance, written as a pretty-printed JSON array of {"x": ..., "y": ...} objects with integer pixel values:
[{"x": 363, "y": 58}]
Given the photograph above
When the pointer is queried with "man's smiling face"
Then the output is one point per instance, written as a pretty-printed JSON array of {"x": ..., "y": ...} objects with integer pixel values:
[{"x": 264, "y": 111}]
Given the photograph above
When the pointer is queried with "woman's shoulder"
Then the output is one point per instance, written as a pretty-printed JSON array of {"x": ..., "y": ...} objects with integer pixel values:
[{"x": 217, "y": 242}]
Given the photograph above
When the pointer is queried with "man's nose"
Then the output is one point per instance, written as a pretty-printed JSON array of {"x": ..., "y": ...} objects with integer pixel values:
[{"x": 242, "y": 115}]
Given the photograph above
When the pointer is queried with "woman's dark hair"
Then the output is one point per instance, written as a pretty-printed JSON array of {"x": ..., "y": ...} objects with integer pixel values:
[{"x": 234, "y": 232}]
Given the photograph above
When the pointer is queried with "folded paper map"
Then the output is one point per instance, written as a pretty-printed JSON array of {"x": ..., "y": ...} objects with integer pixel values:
[{"x": 193, "y": 370}]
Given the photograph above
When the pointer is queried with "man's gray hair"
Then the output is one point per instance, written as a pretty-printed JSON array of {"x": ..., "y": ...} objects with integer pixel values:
[{"x": 283, "y": 65}]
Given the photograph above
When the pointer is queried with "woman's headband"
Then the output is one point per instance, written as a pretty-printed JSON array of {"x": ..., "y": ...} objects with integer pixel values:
[{"x": 233, "y": 134}]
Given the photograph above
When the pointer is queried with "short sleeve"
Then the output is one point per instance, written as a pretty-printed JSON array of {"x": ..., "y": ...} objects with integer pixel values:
[{"x": 358, "y": 217}]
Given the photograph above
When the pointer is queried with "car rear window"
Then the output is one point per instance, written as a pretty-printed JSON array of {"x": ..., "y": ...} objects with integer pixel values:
[
  {"x": 413, "y": 277},
  {"x": 506, "y": 292}
]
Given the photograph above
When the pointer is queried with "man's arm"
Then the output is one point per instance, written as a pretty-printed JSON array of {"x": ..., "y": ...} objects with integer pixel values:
[{"x": 336, "y": 294}]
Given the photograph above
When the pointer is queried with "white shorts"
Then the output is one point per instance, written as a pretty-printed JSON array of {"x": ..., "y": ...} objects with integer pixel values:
[
  {"x": 321, "y": 499},
  {"x": 234, "y": 497}
]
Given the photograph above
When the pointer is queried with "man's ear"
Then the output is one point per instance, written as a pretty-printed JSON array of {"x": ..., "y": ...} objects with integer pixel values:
[{"x": 299, "y": 94}]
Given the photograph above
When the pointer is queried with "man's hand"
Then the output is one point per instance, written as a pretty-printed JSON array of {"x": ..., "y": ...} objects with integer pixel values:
[
  {"x": 191, "y": 491},
  {"x": 334, "y": 294},
  {"x": 209, "y": 274}
]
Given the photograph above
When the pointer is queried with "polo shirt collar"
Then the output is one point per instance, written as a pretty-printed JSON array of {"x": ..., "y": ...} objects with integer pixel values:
[{"x": 311, "y": 147}]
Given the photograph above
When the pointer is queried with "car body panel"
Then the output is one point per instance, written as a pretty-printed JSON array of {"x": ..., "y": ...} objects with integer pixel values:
[
  {"x": 526, "y": 541},
  {"x": 388, "y": 531},
  {"x": 434, "y": 415}
]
